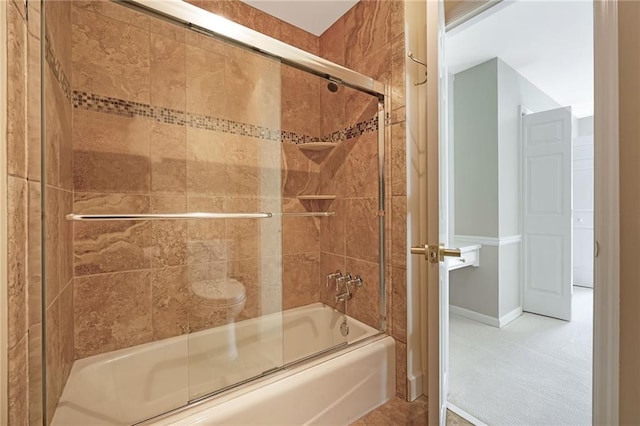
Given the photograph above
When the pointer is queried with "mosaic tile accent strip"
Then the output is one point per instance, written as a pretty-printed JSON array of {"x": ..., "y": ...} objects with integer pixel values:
[
  {"x": 297, "y": 138},
  {"x": 108, "y": 105},
  {"x": 56, "y": 68},
  {"x": 356, "y": 130}
]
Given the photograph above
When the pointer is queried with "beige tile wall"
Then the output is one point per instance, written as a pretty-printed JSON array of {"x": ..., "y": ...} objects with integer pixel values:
[
  {"x": 165, "y": 175},
  {"x": 164, "y": 167},
  {"x": 58, "y": 283},
  {"x": 136, "y": 164},
  {"x": 34, "y": 223},
  {"x": 24, "y": 337},
  {"x": 369, "y": 38},
  {"x": 23, "y": 153},
  {"x": 17, "y": 203},
  {"x": 300, "y": 176}
]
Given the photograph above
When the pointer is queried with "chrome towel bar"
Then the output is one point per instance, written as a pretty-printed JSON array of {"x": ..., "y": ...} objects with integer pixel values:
[
  {"x": 308, "y": 214},
  {"x": 187, "y": 216},
  {"x": 167, "y": 216}
]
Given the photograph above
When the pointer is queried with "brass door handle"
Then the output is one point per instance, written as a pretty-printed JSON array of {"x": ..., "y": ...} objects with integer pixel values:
[
  {"x": 423, "y": 250},
  {"x": 448, "y": 252},
  {"x": 419, "y": 249},
  {"x": 435, "y": 254}
]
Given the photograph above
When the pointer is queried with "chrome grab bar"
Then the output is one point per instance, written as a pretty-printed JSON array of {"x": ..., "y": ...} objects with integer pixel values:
[
  {"x": 308, "y": 214},
  {"x": 194, "y": 215},
  {"x": 165, "y": 216}
]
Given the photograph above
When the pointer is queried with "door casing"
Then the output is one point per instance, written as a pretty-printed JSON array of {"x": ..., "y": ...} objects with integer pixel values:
[{"x": 606, "y": 325}]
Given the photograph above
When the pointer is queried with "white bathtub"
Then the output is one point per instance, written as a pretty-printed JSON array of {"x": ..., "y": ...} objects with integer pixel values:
[{"x": 134, "y": 384}]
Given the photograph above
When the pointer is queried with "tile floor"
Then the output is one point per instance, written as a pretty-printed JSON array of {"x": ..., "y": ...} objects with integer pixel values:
[{"x": 400, "y": 412}]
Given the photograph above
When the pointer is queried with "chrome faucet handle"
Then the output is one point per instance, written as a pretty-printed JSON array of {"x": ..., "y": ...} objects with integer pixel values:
[
  {"x": 337, "y": 274},
  {"x": 341, "y": 279},
  {"x": 357, "y": 281},
  {"x": 344, "y": 277}
]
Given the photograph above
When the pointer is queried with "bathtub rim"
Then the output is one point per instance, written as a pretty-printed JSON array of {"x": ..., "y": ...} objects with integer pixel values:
[{"x": 237, "y": 390}]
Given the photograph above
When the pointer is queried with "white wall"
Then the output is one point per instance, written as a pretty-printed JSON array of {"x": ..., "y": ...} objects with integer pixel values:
[
  {"x": 513, "y": 91},
  {"x": 475, "y": 150},
  {"x": 475, "y": 182},
  {"x": 487, "y": 163},
  {"x": 477, "y": 289}
]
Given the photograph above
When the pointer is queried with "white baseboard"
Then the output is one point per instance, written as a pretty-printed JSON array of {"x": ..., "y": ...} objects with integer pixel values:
[
  {"x": 414, "y": 387},
  {"x": 486, "y": 319},
  {"x": 507, "y": 318},
  {"x": 475, "y": 316}
]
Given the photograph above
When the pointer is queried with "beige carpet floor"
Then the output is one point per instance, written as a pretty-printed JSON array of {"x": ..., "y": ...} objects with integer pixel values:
[{"x": 534, "y": 371}]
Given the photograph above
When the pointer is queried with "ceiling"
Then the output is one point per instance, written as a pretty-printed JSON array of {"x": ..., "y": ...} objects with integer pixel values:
[
  {"x": 314, "y": 16},
  {"x": 549, "y": 42}
]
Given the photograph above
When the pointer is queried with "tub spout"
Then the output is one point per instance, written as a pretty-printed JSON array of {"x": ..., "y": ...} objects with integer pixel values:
[{"x": 342, "y": 297}]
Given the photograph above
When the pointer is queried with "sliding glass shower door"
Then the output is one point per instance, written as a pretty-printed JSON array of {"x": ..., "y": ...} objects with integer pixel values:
[{"x": 196, "y": 194}]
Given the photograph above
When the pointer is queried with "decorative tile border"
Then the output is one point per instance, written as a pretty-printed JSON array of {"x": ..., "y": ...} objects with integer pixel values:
[
  {"x": 56, "y": 68},
  {"x": 108, "y": 105},
  {"x": 356, "y": 130}
]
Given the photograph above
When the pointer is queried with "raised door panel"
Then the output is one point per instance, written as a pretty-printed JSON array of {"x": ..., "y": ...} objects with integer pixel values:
[{"x": 546, "y": 220}]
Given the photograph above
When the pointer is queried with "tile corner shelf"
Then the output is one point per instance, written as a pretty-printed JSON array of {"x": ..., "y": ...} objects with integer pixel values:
[
  {"x": 316, "y": 197},
  {"x": 316, "y": 146}
]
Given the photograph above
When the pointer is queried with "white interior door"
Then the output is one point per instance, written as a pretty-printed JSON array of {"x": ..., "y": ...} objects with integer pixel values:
[
  {"x": 443, "y": 223},
  {"x": 443, "y": 228},
  {"x": 547, "y": 213},
  {"x": 583, "y": 189},
  {"x": 443, "y": 216}
]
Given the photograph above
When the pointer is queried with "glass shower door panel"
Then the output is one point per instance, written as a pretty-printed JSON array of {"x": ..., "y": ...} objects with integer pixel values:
[
  {"x": 233, "y": 165},
  {"x": 329, "y": 169},
  {"x": 149, "y": 315}
]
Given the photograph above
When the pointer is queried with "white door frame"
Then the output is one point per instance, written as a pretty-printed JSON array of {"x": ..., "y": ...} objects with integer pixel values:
[{"x": 606, "y": 341}]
